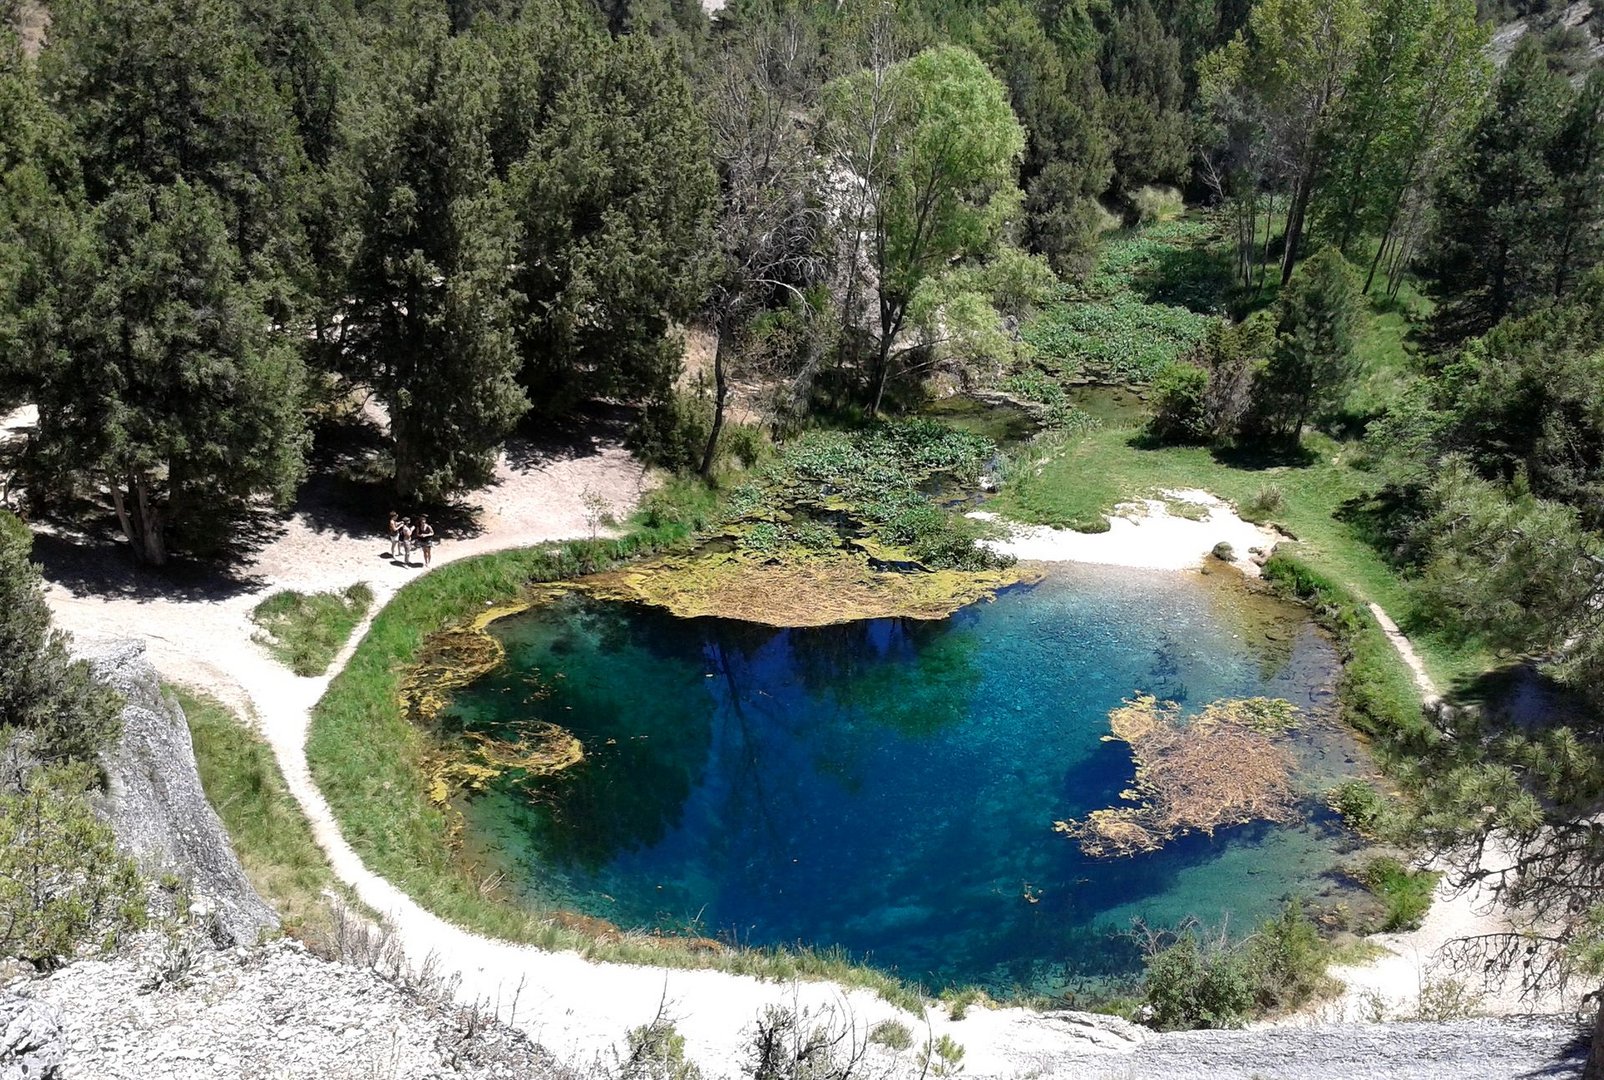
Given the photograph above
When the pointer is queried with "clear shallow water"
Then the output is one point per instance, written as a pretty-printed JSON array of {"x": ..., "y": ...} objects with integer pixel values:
[{"x": 890, "y": 786}]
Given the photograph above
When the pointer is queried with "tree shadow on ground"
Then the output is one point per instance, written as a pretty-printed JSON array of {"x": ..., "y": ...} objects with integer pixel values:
[
  {"x": 586, "y": 432},
  {"x": 1197, "y": 277},
  {"x": 98, "y": 564},
  {"x": 1261, "y": 457}
]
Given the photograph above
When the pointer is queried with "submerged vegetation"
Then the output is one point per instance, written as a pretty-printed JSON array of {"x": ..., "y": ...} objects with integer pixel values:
[{"x": 1220, "y": 768}]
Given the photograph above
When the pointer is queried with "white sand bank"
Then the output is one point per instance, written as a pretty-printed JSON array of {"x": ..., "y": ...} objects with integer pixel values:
[{"x": 1145, "y": 534}]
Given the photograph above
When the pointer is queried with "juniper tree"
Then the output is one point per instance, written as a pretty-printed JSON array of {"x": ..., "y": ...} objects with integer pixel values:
[
  {"x": 429, "y": 324},
  {"x": 1313, "y": 361},
  {"x": 158, "y": 90},
  {"x": 614, "y": 196},
  {"x": 163, "y": 381}
]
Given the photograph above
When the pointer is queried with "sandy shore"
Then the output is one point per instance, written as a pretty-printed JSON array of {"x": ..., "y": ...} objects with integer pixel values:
[
  {"x": 199, "y": 632},
  {"x": 1146, "y": 534}
]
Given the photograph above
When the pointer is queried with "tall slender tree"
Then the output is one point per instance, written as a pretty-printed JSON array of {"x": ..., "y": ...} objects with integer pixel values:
[
  {"x": 771, "y": 220},
  {"x": 938, "y": 180}
]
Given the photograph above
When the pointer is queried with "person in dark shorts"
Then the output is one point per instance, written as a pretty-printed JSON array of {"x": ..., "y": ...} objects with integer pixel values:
[
  {"x": 425, "y": 538},
  {"x": 395, "y": 533}
]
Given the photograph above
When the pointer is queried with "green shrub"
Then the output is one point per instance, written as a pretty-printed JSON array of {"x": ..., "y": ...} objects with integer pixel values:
[
  {"x": 1288, "y": 959},
  {"x": 1363, "y": 809},
  {"x": 1190, "y": 984},
  {"x": 1405, "y": 894},
  {"x": 672, "y": 431},
  {"x": 1179, "y": 412},
  {"x": 891, "y": 1034},
  {"x": 1193, "y": 982},
  {"x": 1269, "y": 501},
  {"x": 656, "y": 1051},
  {"x": 1157, "y": 203},
  {"x": 63, "y": 881},
  {"x": 1224, "y": 551},
  {"x": 958, "y": 1001}
]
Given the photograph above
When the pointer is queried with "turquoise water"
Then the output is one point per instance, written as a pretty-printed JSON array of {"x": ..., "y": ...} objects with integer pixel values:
[{"x": 890, "y": 786}]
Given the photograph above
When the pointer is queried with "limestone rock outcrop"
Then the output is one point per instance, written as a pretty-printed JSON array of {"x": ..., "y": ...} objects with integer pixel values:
[{"x": 155, "y": 802}]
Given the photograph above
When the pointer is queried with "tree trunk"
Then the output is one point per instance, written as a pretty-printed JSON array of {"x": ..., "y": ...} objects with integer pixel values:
[
  {"x": 1296, "y": 212},
  {"x": 882, "y": 367},
  {"x": 141, "y": 522},
  {"x": 721, "y": 392},
  {"x": 1594, "y": 1069}
]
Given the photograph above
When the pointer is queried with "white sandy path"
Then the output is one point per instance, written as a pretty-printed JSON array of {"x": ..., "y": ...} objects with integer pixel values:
[{"x": 573, "y": 1006}]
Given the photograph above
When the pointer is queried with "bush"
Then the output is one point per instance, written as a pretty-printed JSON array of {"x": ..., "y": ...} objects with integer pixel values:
[
  {"x": 63, "y": 882},
  {"x": 1193, "y": 982},
  {"x": 891, "y": 1034},
  {"x": 673, "y": 430},
  {"x": 1363, "y": 809},
  {"x": 1157, "y": 203},
  {"x": 1190, "y": 984},
  {"x": 1268, "y": 502},
  {"x": 1288, "y": 960},
  {"x": 1179, "y": 394},
  {"x": 1405, "y": 894},
  {"x": 1224, "y": 551}
]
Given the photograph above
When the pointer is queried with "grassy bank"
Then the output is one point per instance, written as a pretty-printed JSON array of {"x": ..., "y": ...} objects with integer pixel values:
[
  {"x": 271, "y": 836},
  {"x": 367, "y": 760},
  {"x": 1319, "y": 499},
  {"x": 306, "y": 632}
]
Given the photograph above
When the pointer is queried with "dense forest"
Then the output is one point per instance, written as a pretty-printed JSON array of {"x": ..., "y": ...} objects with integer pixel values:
[{"x": 221, "y": 218}]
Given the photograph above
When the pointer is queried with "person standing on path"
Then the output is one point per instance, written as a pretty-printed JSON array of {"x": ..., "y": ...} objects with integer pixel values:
[
  {"x": 395, "y": 532},
  {"x": 406, "y": 541},
  {"x": 425, "y": 538}
]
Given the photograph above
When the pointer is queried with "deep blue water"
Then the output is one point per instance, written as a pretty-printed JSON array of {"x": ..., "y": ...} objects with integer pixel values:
[{"x": 889, "y": 786}]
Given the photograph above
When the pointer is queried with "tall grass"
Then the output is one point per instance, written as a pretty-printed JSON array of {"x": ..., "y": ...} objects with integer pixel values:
[
  {"x": 271, "y": 837},
  {"x": 306, "y": 632}
]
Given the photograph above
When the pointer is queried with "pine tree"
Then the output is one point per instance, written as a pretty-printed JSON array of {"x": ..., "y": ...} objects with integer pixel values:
[
  {"x": 1577, "y": 161},
  {"x": 1494, "y": 248},
  {"x": 1313, "y": 361},
  {"x": 430, "y": 320},
  {"x": 164, "y": 382},
  {"x": 55, "y": 700}
]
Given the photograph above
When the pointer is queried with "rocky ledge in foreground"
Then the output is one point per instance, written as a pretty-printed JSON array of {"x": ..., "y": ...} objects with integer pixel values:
[{"x": 272, "y": 1011}]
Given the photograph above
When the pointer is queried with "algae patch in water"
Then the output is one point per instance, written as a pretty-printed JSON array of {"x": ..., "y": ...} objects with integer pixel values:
[
  {"x": 454, "y": 658},
  {"x": 798, "y": 589},
  {"x": 1220, "y": 768}
]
